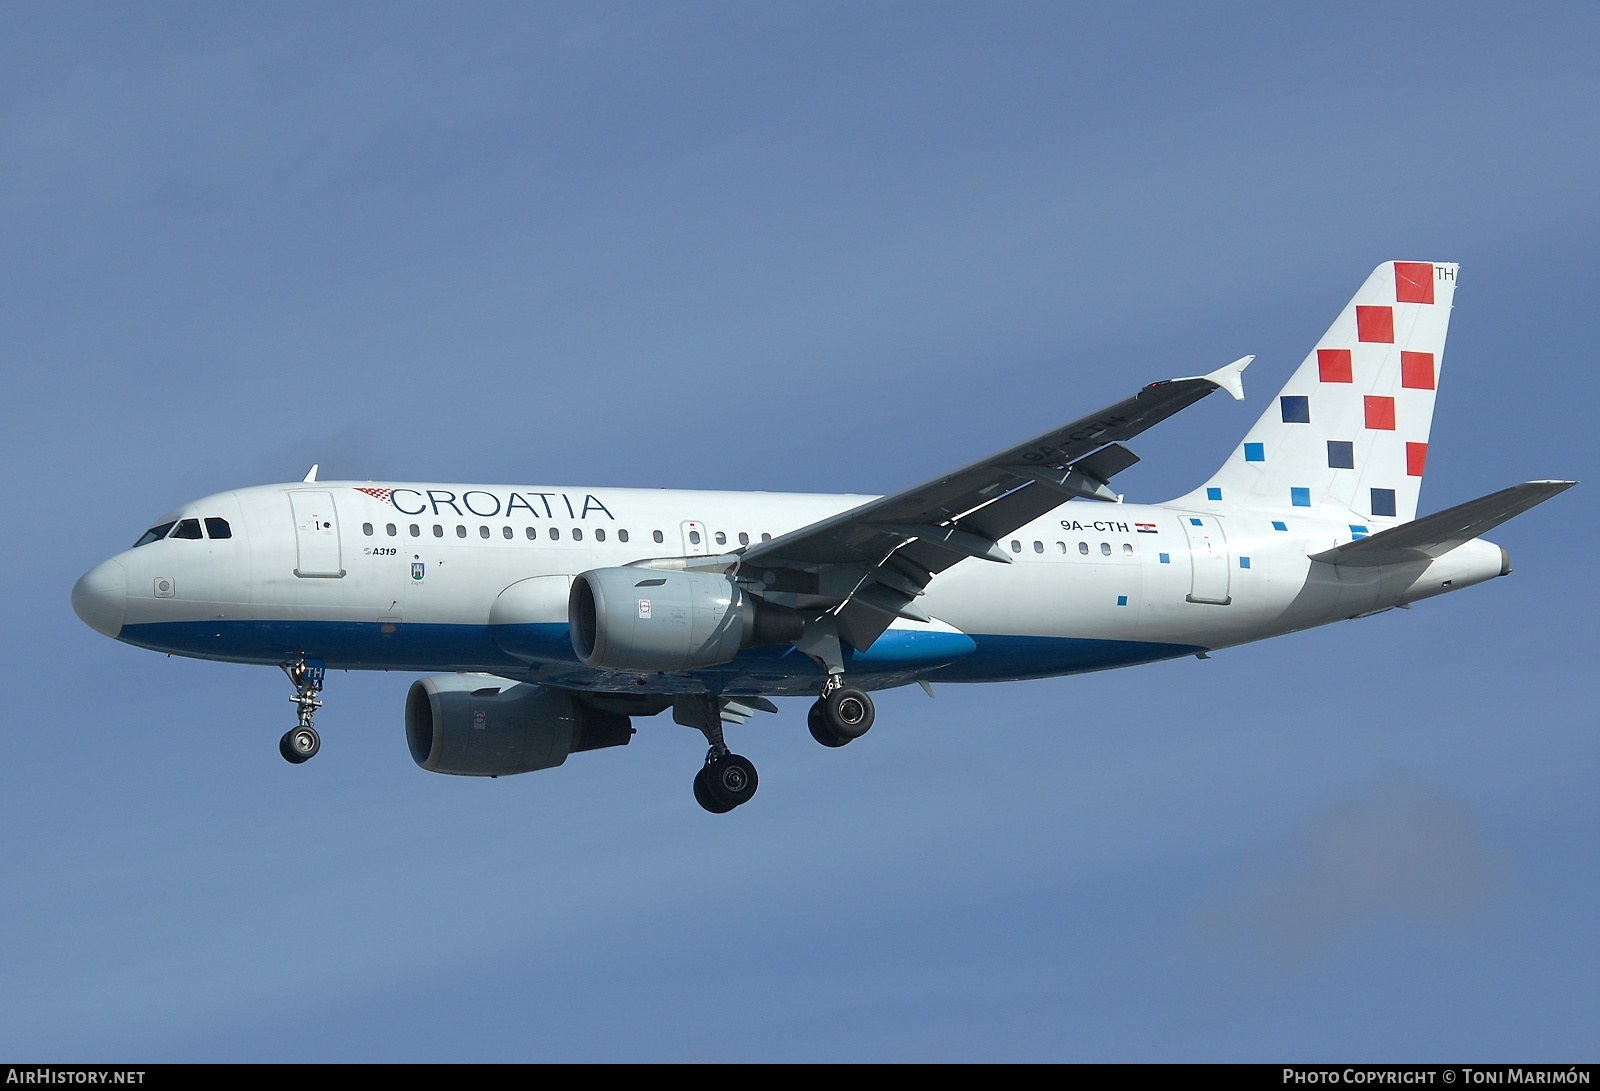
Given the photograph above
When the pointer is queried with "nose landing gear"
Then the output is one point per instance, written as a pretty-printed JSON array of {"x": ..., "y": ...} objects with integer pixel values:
[{"x": 301, "y": 742}]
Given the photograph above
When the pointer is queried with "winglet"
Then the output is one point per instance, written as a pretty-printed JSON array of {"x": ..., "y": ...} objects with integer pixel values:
[
  {"x": 1231, "y": 377},
  {"x": 311, "y": 474}
]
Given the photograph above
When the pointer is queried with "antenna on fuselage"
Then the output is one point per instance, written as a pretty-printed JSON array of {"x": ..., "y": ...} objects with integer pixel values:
[{"x": 311, "y": 474}]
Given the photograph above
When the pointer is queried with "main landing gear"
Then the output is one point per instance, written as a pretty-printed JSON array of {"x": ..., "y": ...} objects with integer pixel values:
[
  {"x": 842, "y": 714},
  {"x": 726, "y": 780},
  {"x": 301, "y": 742}
]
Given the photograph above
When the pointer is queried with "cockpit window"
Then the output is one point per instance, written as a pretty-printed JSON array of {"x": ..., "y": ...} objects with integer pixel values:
[
  {"x": 187, "y": 528},
  {"x": 154, "y": 534},
  {"x": 219, "y": 528}
]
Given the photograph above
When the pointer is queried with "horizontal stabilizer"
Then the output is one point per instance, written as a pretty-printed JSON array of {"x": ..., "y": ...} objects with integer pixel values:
[{"x": 1437, "y": 534}]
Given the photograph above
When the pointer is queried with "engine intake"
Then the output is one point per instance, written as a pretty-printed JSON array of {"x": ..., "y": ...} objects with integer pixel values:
[
  {"x": 478, "y": 725},
  {"x": 645, "y": 619}
]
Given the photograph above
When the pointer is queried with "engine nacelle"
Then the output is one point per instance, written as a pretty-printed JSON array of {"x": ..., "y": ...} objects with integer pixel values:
[
  {"x": 645, "y": 619},
  {"x": 478, "y": 725}
]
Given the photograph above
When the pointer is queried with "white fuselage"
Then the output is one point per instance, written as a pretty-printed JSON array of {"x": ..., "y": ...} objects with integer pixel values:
[{"x": 407, "y": 576}]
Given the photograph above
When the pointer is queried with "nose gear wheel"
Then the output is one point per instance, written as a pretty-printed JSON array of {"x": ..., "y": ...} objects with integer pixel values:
[{"x": 299, "y": 744}]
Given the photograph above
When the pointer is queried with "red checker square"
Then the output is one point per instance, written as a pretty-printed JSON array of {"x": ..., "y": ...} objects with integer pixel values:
[
  {"x": 1380, "y": 412},
  {"x": 1333, "y": 365},
  {"x": 1416, "y": 457},
  {"x": 1375, "y": 324},
  {"x": 1413, "y": 282},
  {"x": 1416, "y": 370}
]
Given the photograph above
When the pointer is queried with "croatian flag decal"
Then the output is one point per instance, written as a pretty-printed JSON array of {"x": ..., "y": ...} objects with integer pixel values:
[{"x": 1146, "y": 528}]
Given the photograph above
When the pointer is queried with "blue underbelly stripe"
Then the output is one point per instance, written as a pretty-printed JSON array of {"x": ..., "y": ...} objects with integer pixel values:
[{"x": 900, "y": 654}]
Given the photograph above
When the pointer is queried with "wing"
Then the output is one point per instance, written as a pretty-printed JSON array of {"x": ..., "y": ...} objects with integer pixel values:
[{"x": 868, "y": 565}]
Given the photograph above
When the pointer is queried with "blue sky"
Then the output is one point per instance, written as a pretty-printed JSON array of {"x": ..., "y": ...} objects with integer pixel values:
[{"x": 823, "y": 248}]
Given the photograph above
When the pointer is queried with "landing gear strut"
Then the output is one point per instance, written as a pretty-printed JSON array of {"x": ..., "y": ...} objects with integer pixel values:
[
  {"x": 726, "y": 780},
  {"x": 301, "y": 742},
  {"x": 842, "y": 714}
]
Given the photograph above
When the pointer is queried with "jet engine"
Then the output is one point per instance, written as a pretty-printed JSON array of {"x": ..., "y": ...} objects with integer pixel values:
[
  {"x": 645, "y": 619},
  {"x": 478, "y": 725}
]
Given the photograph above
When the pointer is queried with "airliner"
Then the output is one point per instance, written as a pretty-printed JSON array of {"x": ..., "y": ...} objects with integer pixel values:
[{"x": 552, "y": 616}]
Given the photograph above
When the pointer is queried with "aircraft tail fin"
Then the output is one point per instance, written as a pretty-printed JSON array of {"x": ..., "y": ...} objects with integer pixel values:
[{"x": 1349, "y": 431}]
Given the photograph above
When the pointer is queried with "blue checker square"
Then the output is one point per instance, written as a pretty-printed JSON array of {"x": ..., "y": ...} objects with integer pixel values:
[
  {"x": 1255, "y": 452},
  {"x": 1279, "y": 524},
  {"x": 1383, "y": 501},
  {"x": 1196, "y": 523},
  {"x": 1166, "y": 558},
  {"x": 1122, "y": 600},
  {"x": 1213, "y": 494},
  {"x": 1296, "y": 409},
  {"x": 1300, "y": 498},
  {"x": 1358, "y": 531},
  {"x": 1341, "y": 454},
  {"x": 1244, "y": 562}
]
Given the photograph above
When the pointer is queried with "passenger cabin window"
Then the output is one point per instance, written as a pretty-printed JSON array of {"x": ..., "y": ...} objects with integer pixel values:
[
  {"x": 722, "y": 539},
  {"x": 461, "y": 531},
  {"x": 218, "y": 528},
  {"x": 187, "y": 528},
  {"x": 766, "y": 537},
  {"x": 483, "y": 532},
  {"x": 599, "y": 535},
  {"x": 622, "y": 536},
  {"x": 154, "y": 534},
  {"x": 1127, "y": 549},
  {"x": 505, "y": 532},
  {"x": 1105, "y": 548},
  {"x": 1083, "y": 547},
  {"x": 555, "y": 533},
  {"x": 1016, "y": 546},
  {"x": 1038, "y": 547},
  {"x": 416, "y": 531},
  {"x": 388, "y": 528},
  {"x": 657, "y": 535},
  {"x": 744, "y": 539},
  {"x": 366, "y": 528},
  {"x": 577, "y": 534},
  {"x": 438, "y": 530},
  {"x": 532, "y": 534},
  {"x": 1061, "y": 547}
]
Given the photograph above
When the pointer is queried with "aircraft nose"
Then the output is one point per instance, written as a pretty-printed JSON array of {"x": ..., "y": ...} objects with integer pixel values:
[{"x": 100, "y": 597}]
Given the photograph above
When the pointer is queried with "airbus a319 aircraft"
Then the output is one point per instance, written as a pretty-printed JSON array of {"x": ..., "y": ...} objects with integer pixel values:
[{"x": 554, "y": 615}]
